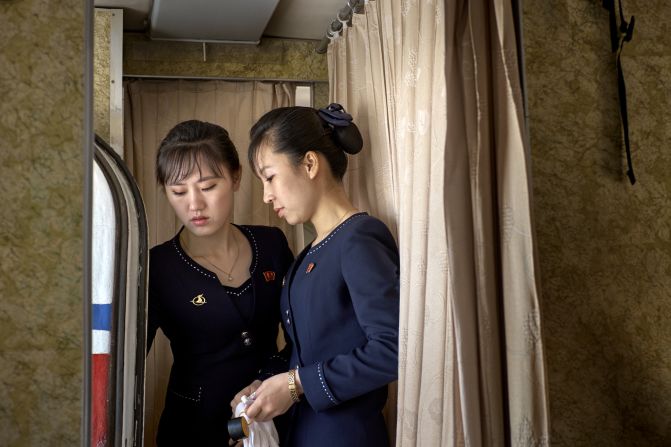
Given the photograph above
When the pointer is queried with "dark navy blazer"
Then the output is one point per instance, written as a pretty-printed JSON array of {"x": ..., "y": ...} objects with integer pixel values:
[
  {"x": 340, "y": 306},
  {"x": 217, "y": 349}
]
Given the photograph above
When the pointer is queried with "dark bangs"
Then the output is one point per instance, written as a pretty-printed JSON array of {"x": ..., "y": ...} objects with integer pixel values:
[
  {"x": 177, "y": 162},
  {"x": 259, "y": 140}
]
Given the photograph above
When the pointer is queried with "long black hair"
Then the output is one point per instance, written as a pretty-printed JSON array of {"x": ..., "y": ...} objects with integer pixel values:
[
  {"x": 294, "y": 131},
  {"x": 191, "y": 143}
]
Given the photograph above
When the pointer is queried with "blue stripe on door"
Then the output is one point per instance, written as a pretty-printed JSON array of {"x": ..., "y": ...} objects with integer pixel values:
[{"x": 102, "y": 317}]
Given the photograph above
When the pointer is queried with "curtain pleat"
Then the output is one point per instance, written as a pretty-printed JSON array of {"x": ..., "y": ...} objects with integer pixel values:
[{"x": 357, "y": 84}]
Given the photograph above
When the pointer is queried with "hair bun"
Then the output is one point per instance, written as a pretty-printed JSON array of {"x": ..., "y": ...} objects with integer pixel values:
[{"x": 345, "y": 133}]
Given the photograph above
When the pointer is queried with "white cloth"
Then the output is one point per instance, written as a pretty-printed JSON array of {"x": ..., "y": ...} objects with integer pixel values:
[{"x": 261, "y": 434}]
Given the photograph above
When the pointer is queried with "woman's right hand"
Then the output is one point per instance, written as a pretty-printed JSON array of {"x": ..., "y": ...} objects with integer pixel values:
[{"x": 246, "y": 391}]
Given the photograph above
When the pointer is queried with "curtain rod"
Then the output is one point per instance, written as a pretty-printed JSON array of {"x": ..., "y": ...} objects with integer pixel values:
[
  {"x": 223, "y": 78},
  {"x": 344, "y": 16}
]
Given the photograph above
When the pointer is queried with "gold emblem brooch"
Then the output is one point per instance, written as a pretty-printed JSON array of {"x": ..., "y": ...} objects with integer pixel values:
[{"x": 198, "y": 300}]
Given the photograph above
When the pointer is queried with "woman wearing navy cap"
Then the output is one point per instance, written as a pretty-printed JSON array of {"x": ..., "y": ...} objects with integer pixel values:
[
  {"x": 213, "y": 288},
  {"x": 340, "y": 299}
]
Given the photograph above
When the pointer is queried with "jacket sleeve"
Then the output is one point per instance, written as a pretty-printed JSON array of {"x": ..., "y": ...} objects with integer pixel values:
[{"x": 370, "y": 268}]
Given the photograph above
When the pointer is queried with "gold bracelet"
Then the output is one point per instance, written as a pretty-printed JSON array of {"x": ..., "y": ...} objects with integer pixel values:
[{"x": 292, "y": 386}]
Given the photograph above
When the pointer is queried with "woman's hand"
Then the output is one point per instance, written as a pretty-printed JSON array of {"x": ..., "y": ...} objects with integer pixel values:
[
  {"x": 272, "y": 399},
  {"x": 247, "y": 391}
]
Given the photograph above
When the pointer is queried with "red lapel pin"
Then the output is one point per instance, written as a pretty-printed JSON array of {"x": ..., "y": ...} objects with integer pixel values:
[
  {"x": 269, "y": 275},
  {"x": 311, "y": 266}
]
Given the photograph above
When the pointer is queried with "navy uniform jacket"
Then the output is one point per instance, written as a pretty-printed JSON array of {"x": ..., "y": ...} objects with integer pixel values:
[
  {"x": 217, "y": 350},
  {"x": 340, "y": 306}
]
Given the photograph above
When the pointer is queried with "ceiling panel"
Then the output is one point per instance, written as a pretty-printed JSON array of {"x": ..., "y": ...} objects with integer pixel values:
[
  {"x": 298, "y": 19},
  {"x": 210, "y": 20},
  {"x": 303, "y": 19}
]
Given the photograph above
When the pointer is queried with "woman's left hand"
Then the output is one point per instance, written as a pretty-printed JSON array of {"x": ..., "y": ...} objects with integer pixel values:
[{"x": 272, "y": 399}]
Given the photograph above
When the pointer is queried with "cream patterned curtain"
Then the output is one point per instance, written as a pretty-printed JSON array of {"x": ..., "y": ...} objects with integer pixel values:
[
  {"x": 152, "y": 108},
  {"x": 449, "y": 168},
  {"x": 357, "y": 80}
]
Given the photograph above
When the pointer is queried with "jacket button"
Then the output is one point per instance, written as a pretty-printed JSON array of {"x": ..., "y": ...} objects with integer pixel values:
[
  {"x": 244, "y": 335},
  {"x": 288, "y": 321},
  {"x": 247, "y": 341}
]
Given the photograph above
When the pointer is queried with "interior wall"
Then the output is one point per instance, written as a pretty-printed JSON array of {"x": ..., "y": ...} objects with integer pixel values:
[
  {"x": 604, "y": 245},
  {"x": 107, "y": 76},
  {"x": 272, "y": 59},
  {"x": 101, "y": 72},
  {"x": 41, "y": 179}
]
